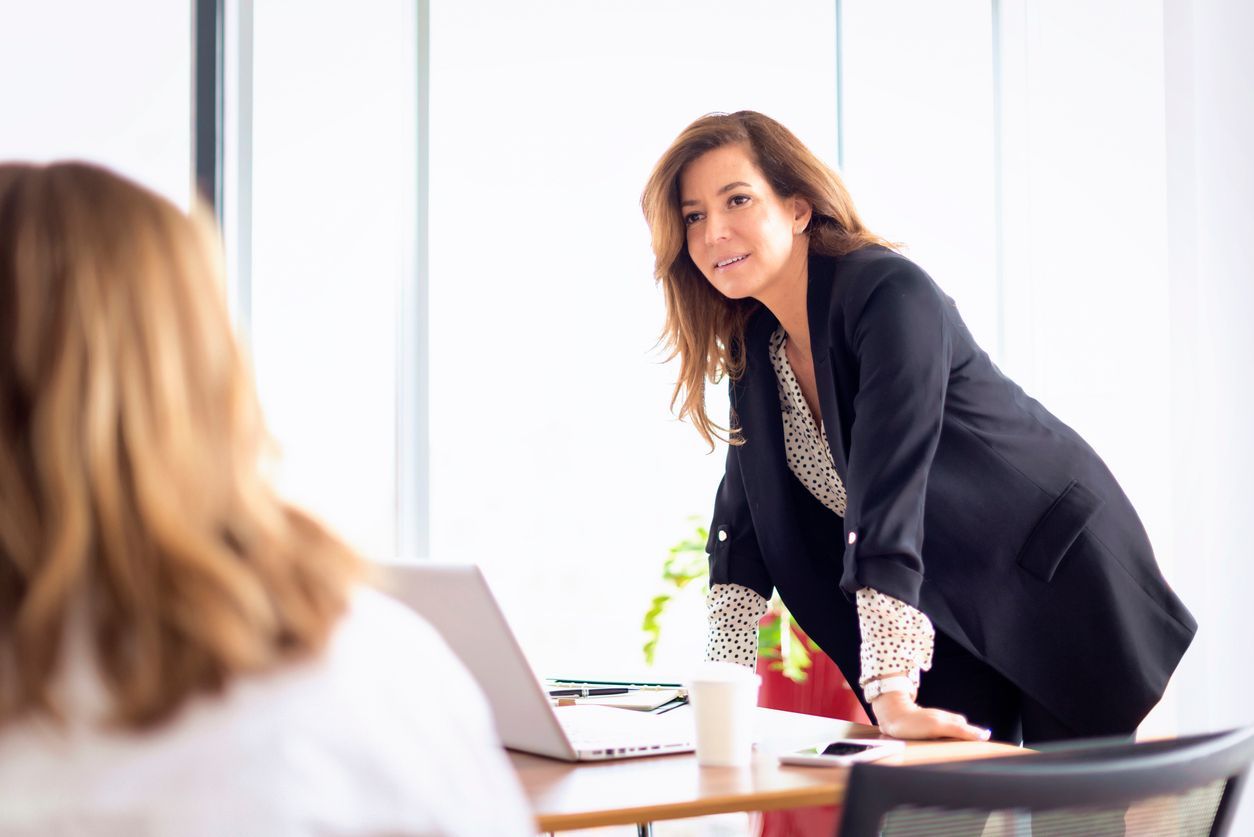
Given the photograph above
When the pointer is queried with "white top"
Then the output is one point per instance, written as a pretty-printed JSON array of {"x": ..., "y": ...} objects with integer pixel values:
[
  {"x": 895, "y": 636},
  {"x": 383, "y": 733}
]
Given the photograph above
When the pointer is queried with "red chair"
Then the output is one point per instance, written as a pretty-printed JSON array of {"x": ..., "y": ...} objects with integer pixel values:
[{"x": 825, "y": 692}]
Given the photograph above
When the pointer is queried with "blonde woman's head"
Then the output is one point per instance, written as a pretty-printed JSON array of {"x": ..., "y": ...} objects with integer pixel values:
[{"x": 130, "y": 439}]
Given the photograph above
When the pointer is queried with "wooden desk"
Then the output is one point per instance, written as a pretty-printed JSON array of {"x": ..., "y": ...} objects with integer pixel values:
[{"x": 641, "y": 790}]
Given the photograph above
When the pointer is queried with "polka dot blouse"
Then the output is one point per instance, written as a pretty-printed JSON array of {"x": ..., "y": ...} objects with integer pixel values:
[
  {"x": 805, "y": 445},
  {"x": 895, "y": 636}
]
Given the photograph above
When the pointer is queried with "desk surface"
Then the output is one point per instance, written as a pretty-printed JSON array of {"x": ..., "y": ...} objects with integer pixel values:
[{"x": 625, "y": 791}]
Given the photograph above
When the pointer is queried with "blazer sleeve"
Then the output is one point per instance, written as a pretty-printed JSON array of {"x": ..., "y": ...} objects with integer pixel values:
[
  {"x": 735, "y": 557},
  {"x": 902, "y": 347}
]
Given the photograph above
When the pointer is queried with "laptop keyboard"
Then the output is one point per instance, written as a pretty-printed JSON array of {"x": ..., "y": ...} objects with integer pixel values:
[{"x": 600, "y": 728}]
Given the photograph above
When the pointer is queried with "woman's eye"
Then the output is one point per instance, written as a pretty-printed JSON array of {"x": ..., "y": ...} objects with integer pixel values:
[
  {"x": 738, "y": 200},
  {"x": 691, "y": 218}
]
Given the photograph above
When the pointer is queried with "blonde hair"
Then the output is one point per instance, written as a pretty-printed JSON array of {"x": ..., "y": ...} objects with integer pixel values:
[
  {"x": 703, "y": 328},
  {"x": 130, "y": 445}
]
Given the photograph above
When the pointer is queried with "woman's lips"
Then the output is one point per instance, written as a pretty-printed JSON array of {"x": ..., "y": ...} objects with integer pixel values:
[{"x": 725, "y": 264}]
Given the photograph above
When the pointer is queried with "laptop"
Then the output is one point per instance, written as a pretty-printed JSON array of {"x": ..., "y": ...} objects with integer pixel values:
[{"x": 456, "y": 600}]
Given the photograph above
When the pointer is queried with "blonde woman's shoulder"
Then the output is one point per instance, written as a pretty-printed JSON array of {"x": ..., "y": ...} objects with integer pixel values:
[
  {"x": 402, "y": 723},
  {"x": 384, "y": 732}
]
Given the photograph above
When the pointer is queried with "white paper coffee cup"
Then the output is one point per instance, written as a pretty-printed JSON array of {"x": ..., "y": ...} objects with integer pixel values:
[{"x": 723, "y": 697}]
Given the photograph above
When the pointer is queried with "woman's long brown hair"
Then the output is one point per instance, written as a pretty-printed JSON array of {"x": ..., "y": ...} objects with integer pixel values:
[
  {"x": 705, "y": 329},
  {"x": 130, "y": 446}
]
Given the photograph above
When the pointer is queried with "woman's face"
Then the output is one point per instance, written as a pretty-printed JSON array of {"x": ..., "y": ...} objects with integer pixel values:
[{"x": 742, "y": 236}]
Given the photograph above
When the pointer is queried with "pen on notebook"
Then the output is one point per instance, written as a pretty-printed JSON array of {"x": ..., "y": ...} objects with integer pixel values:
[
  {"x": 585, "y": 692},
  {"x": 562, "y": 681},
  {"x": 670, "y": 704}
]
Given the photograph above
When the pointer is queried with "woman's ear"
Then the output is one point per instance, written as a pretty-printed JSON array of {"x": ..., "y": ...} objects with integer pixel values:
[{"x": 801, "y": 215}]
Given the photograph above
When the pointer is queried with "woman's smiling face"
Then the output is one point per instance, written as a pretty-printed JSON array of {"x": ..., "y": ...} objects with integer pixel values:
[{"x": 741, "y": 235}]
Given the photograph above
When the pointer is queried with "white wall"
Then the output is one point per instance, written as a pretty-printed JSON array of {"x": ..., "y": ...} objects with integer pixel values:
[
  {"x": 919, "y": 134},
  {"x": 102, "y": 82},
  {"x": 1210, "y": 149}
]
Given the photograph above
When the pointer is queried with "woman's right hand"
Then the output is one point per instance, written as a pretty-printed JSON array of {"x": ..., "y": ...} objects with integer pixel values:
[{"x": 900, "y": 717}]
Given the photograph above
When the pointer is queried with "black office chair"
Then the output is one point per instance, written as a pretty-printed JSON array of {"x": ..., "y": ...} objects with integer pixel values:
[{"x": 1183, "y": 786}]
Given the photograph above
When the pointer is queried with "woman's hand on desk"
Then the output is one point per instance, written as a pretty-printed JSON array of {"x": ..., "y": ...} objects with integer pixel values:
[{"x": 899, "y": 716}]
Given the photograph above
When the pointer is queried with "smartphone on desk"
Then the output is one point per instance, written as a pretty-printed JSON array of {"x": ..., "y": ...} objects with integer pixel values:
[{"x": 843, "y": 752}]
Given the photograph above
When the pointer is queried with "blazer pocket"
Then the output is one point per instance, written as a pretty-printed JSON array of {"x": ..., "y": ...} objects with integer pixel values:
[{"x": 1057, "y": 530}]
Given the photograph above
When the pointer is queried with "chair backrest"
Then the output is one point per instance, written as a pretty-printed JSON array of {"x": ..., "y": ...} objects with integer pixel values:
[{"x": 1176, "y": 786}]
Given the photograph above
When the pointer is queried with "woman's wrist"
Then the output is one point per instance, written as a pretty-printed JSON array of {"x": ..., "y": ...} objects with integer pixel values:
[
  {"x": 893, "y": 681},
  {"x": 891, "y": 704}
]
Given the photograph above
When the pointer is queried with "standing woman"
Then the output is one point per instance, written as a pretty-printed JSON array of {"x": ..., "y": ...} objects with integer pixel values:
[{"x": 916, "y": 510}]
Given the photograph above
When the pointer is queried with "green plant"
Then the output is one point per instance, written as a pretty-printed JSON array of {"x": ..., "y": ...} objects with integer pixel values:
[{"x": 686, "y": 562}]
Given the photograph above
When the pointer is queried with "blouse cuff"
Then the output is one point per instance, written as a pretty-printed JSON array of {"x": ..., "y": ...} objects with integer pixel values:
[
  {"x": 895, "y": 637},
  {"x": 733, "y": 615}
]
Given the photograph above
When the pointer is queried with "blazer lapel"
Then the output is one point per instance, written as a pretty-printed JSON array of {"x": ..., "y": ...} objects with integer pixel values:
[
  {"x": 757, "y": 396},
  {"x": 762, "y": 461},
  {"x": 818, "y": 308}
]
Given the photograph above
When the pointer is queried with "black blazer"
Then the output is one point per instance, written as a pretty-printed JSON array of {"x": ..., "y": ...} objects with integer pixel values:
[{"x": 966, "y": 499}]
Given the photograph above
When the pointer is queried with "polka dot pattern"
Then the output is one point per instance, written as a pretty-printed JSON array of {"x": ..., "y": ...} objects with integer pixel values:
[
  {"x": 734, "y": 612},
  {"x": 895, "y": 637}
]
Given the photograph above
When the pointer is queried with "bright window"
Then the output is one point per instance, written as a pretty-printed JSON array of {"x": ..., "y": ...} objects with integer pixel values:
[
  {"x": 87, "y": 81},
  {"x": 333, "y": 230},
  {"x": 555, "y": 462}
]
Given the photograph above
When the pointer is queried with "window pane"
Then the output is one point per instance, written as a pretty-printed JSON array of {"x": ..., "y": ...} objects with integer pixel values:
[
  {"x": 91, "y": 82},
  {"x": 919, "y": 140},
  {"x": 555, "y": 461},
  {"x": 332, "y": 194}
]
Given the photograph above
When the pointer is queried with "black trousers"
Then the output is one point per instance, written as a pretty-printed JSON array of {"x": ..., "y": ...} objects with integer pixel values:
[{"x": 959, "y": 682}]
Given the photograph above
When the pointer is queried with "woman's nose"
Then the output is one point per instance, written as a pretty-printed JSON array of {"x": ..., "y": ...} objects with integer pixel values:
[{"x": 715, "y": 229}]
